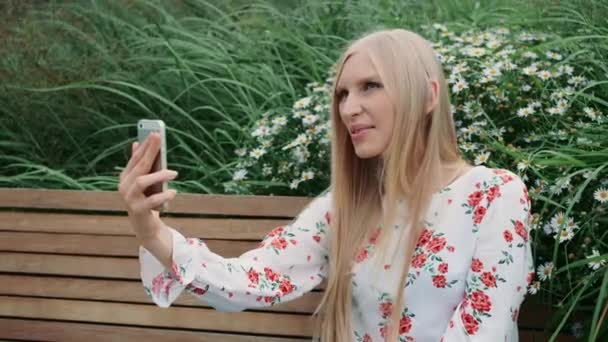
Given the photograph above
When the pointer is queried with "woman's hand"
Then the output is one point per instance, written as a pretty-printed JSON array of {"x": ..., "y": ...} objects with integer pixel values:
[{"x": 134, "y": 179}]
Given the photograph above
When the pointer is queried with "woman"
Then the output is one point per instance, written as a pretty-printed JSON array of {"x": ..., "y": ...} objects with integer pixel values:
[{"x": 449, "y": 241}]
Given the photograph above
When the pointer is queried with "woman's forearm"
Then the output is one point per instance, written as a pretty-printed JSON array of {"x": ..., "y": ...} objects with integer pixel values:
[{"x": 161, "y": 246}]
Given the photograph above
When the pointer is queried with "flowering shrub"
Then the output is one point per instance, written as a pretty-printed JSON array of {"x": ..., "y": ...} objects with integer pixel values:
[{"x": 517, "y": 105}]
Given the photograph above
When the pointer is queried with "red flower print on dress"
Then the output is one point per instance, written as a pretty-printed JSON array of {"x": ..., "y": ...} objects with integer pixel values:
[
  {"x": 478, "y": 214},
  {"x": 443, "y": 268},
  {"x": 405, "y": 325},
  {"x": 521, "y": 230},
  {"x": 270, "y": 275},
  {"x": 279, "y": 243},
  {"x": 286, "y": 287},
  {"x": 508, "y": 236},
  {"x": 385, "y": 309},
  {"x": 317, "y": 238},
  {"x": 480, "y": 301},
  {"x": 436, "y": 244},
  {"x": 362, "y": 255},
  {"x": 424, "y": 238},
  {"x": 475, "y": 198},
  {"x": 253, "y": 276},
  {"x": 488, "y": 279},
  {"x": 419, "y": 260},
  {"x": 476, "y": 265},
  {"x": 470, "y": 323},
  {"x": 439, "y": 281},
  {"x": 493, "y": 193}
]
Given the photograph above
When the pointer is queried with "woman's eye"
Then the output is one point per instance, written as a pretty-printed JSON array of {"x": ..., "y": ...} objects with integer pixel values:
[
  {"x": 342, "y": 94},
  {"x": 369, "y": 85}
]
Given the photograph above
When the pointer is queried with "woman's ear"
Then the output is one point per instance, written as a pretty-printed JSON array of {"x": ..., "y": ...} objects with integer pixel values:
[{"x": 433, "y": 99}]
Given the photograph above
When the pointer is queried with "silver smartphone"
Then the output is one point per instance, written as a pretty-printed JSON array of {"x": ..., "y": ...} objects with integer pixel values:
[{"x": 144, "y": 128}]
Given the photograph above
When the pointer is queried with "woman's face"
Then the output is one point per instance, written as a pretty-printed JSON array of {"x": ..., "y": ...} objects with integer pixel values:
[{"x": 364, "y": 106}]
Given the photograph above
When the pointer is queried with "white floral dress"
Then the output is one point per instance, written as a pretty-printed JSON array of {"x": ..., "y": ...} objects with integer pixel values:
[{"x": 467, "y": 279}]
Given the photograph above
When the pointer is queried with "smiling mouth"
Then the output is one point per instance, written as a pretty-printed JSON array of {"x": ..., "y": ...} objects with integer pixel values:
[{"x": 358, "y": 130}]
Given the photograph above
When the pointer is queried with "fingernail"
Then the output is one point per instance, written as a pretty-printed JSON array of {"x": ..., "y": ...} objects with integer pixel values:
[{"x": 172, "y": 173}]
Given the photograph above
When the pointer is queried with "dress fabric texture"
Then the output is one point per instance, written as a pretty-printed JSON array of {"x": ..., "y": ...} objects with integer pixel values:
[{"x": 468, "y": 275}]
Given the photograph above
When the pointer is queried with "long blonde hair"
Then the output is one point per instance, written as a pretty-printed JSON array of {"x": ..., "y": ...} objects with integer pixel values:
[{"x": 408, "y": 170}]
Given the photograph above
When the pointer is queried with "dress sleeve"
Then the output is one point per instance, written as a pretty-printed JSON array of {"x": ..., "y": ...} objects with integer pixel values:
[
  {"x": 500, "y": 270},
  {"x": 290, "y": 261}
]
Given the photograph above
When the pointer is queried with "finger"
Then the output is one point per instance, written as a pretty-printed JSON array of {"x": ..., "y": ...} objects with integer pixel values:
[
  {"x": 139, "y": 153},
  {"x": 149, "y": 155},
  {"x": 158, "y": 199},
  {"x": 144, "y": 181},
  {"x": 136, "y": 155}
]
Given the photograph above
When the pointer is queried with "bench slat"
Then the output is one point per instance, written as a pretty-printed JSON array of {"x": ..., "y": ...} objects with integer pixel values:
[
  {"x": 121, "y": 291},
  {"x": 207, "y": 228},
  {"x": 102, "y": 245},
  {"x": 150, "y": 315},
  {"x": 266, "y": 206},
  {"x": 78, "y": 332},
  {"x": 74, "y": 265}
]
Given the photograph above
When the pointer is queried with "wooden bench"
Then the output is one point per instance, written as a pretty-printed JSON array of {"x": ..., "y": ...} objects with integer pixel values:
[{"x": 69, "y": 271}]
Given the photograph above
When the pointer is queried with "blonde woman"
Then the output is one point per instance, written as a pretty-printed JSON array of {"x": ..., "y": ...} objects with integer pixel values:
[{"x": 415, "y": 243}]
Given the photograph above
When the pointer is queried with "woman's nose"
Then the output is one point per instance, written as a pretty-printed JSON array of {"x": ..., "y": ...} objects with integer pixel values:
[{"x": 351, "y": 106}]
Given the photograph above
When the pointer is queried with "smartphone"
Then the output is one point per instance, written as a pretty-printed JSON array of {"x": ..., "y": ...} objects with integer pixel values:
[{"x": 144, "y": 128}]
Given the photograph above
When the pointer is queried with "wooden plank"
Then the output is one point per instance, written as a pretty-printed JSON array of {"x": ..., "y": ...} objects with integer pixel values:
[
  {"x": 78, "y": 332},
  {"x": 151, "y": 315},
  {"x": 266, "y": 206},
  {"x": 69, "y": 265},
  {"x": 102, "y": 267},
  {"x": 206, "y": 228},
  {"x": 121, "y": 291},
  {"x": 102, "y": 245}
]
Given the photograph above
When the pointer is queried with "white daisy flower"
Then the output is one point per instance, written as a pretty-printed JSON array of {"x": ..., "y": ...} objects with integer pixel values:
[
  {"x": 313, "y": 130},
  {"x": 239, "y": 175},
  {"x": 474, "y": 52},
  {"x": 595, "y": 265},
  {"x": 544, "y": 75},
  {"x": 459, "y": 86},
  {"x": 566, "y": 234},
  {"x": 468, "y": 146},
  {"x": 566, "y": 69},
  {"x": 526, "y": 87},
  {"x": 460, "y": 67},
  {"x": 524, "y": 112},
  {"x": 601, "y": 195},
  {"x": 527, "y": 37},
  {"x": 257, "y": 153},
  {"x": 280, "y": 121},
  {"x": 482, "y": 158},
  {"x": 302, "y": 139},
  {"x": 302, "y": 103},
  {"x": 577, "y": 80},
  {"x": 267, "y": 170},
  {"x": 545, "y": 271},
  {"x": 266, "y": 143},
  {"x": 439, "y": 27},
  {"x": 555, "y": 111},
  {"x": 493, "y": 44},
  {"x": 553, "y": 55},
  {"x": 262, "y": 131},
  {"x": 591, "y": 113},
  {"x": 307, "y": 175},
  {"x": 309, "y": 119},
  {"x": 530, "y": 54},
  {"x": 294, "y": 184},
  {"x": 319, "y": 89},
  {"x": 492, "y": 72},
  {"x": 523, "y": 165},
  {"x": 530, "y": 70},
  {"x": 535, "y": 104},
  {"x": 534, "y": 287},
  {"x": 241, "y": 152}
]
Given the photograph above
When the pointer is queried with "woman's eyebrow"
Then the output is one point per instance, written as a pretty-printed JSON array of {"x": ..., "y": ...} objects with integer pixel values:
[{"x": 372, "y": 78}]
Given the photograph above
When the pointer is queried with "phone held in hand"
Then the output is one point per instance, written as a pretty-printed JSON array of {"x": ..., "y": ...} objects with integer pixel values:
[{"x": 144, "y": 128}]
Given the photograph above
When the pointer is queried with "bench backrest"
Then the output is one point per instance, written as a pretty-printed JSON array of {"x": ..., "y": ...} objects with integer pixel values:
[{"x": 69, "y": 270}]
